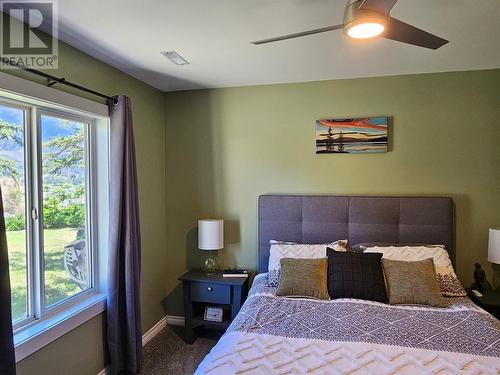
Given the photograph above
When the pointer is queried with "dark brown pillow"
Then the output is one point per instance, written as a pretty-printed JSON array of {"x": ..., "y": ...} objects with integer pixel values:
[
  {"x": 412, "y": 283},
  {"x": 356, "y": 275},
  {"x": 303, "y": 278}
]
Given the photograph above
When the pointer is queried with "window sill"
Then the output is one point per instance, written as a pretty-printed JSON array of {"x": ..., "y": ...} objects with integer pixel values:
[{"x": 38, "y": 335}]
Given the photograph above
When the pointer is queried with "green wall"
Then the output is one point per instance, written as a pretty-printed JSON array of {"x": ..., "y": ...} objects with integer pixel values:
[
  {"x": 225, "y": 147},
  {"x": 81, "y": 351}
]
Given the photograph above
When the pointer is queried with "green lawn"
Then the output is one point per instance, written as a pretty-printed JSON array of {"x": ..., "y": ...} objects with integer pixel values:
[{"x": 58, "y": 284}]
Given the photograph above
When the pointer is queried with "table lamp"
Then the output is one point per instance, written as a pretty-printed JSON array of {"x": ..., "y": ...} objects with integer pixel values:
[
  {"x": 494, "y": 255},
  {"x": 210, "y": 238}
]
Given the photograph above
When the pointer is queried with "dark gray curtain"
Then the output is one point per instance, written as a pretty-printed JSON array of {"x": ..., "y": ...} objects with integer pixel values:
[
  {"x": 123, "y": 307},
  {"x": 7, "y": 357}
]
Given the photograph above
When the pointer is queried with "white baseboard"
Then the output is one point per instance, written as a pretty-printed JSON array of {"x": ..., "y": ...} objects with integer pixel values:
[
  {"x": 173, "y": 320},
  {"x": 154, "y": 330}
]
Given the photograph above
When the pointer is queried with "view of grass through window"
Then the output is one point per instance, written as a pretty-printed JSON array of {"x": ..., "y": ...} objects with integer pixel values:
[
  {"x": 66, "y": 265},
  {"x": 63, "y": 164}
]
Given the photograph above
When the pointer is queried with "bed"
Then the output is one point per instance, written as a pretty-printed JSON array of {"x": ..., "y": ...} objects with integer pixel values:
[{"x": 276, "y": 335}]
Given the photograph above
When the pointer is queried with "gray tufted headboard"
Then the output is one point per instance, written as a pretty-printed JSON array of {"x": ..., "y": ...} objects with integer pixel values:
[{"x": 323, "y": 219}]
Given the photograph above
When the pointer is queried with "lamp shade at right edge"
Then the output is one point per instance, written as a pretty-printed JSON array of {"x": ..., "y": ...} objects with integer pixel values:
[{"x": 494, "y": 246}]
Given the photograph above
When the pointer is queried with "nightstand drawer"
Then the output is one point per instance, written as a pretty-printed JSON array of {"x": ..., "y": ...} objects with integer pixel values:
[{"x": 211, "y": 292}]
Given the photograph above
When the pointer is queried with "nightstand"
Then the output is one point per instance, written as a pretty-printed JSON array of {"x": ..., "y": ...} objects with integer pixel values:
[
  {"x": 489, "y": 302},
  {"x": 202, "y": 290}
]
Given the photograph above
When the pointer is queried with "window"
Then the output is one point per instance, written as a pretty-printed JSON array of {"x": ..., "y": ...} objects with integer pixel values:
[
  {"x": 48, "y": 182},
  {"x": 12, "y": 180}
]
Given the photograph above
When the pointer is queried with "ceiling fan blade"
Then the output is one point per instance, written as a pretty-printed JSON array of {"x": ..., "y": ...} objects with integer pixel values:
[
  {"x": 403, "y": 32},
  {"x": 297, "y": 35},
  {"x": 381, "y": 6}
]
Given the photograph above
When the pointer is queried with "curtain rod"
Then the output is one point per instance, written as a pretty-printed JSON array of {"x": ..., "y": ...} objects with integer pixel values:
[{"x": 52, "y": 80}]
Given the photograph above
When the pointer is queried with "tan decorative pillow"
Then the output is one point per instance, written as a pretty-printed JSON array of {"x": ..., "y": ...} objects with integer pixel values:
[
  {"x": 412, "y": 283},
  {"x": 303, "y": 278},
  {"x": 446, "y": 278},
  {"x": 287, "y": 249}
]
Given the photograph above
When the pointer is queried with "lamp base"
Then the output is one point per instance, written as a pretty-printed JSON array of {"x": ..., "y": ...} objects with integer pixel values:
[
  {"x": 210, "y": 265},
  {"x": 496, "y": 276}
]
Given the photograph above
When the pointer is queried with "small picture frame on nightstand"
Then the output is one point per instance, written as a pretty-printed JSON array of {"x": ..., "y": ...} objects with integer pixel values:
[{"x": 213, "y": 314}]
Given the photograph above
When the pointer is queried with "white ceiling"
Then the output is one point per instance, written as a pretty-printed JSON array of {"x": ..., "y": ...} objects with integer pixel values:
[{"x": 214, "y": 36}]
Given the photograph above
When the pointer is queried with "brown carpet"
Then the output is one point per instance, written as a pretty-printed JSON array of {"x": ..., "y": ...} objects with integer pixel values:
[{"x": 168, "y": 354}]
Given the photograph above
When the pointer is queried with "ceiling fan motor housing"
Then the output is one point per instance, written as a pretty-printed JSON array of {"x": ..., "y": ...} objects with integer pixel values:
[{"x": 354, "y": 15}]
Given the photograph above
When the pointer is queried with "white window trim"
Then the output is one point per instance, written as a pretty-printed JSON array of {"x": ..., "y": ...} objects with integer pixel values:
[
  {"x": 51, "y": 97},
  {"x": 39, "y": 333}
]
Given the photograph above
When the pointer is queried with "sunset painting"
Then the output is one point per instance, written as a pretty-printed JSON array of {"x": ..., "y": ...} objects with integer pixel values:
[{"x": 351, "y": 135}]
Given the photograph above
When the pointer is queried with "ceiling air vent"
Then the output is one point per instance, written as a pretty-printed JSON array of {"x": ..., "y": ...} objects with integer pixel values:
[{"x": 175, "y": 57}]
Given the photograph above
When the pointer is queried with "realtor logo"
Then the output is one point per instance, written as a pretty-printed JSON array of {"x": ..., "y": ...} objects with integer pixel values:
[{"x": 29, "y": 34}]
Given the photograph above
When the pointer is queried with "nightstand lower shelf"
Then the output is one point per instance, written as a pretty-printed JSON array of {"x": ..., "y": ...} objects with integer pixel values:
[{"x": 219, "y": 326}]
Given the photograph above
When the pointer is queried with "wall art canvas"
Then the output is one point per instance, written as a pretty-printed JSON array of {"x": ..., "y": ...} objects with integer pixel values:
[{"x": 351, "y": 135}]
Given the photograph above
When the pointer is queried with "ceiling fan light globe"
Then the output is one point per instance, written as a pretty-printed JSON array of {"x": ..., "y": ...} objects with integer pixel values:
[{"x": 365, "y": 30}]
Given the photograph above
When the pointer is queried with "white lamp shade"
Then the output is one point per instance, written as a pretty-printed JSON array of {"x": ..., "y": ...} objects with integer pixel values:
[
  {"x": 494, "y": 246},
  {"x": 210, "y": 234}
]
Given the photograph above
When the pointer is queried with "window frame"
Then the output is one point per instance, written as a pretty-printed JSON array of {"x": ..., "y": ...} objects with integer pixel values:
[
  {"x": 89, "y": 124},
  {"x": 27, "y": 111},
  {"x": 37, "y": 309}
]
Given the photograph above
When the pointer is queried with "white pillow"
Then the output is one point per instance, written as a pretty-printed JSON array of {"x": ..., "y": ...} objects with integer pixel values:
[
  {"x": 446, "y": 277},
  {"x": 284, "y": 249}
]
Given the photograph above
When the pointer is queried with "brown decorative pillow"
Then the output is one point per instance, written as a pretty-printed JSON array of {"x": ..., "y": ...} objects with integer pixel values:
[
  {"x": 303, "y": 278},
  {"x": 412, "y": 283}
]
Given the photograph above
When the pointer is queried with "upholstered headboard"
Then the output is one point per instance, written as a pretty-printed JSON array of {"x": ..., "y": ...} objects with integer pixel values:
[{"x": 322, "y": 219}]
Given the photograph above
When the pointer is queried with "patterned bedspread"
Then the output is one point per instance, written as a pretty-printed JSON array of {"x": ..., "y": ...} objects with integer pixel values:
[{"x": 275, "y": 335}]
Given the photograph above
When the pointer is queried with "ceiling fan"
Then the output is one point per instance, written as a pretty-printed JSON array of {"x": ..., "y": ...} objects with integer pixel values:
[{"x": 364, "y": 19}]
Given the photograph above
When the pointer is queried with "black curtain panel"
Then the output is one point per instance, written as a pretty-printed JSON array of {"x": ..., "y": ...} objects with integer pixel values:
[
  {"x": 123, "y": 306},
  {"x": 7, "y": 356}
]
